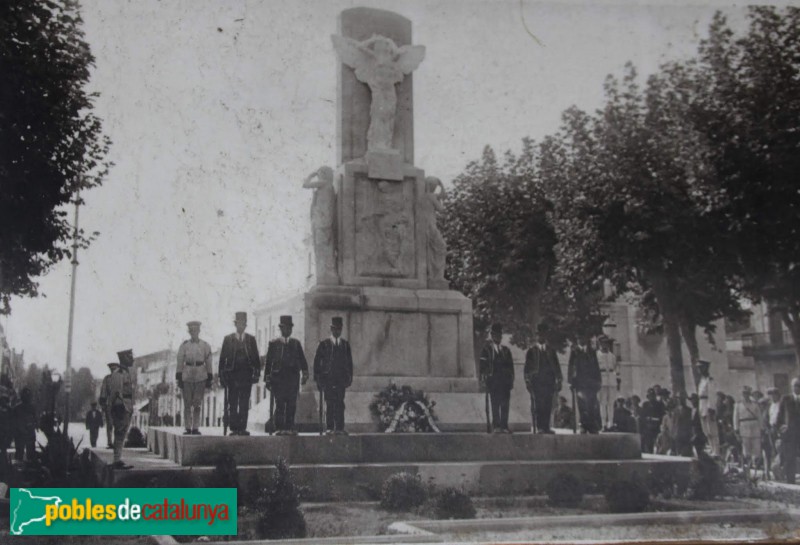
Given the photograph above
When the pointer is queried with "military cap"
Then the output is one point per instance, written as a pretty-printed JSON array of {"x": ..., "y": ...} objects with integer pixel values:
[
  {"x": 193, "y": 323},
  {"x": 286, "y": 320},
  {"x": 113, "y": 364},
  {"x": 241, "y": 316},
  {"x": 337, "y": 321},
  {"x": 604, "y": 339},
  {"x": 497, "y": 328}
]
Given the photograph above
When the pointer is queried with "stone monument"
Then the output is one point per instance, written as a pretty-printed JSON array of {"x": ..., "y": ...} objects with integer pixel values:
[{"x": 387, "y": 279}]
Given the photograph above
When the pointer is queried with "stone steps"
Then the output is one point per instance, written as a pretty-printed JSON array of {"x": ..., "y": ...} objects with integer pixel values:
[
  {"x": 363, "y": 481},
  {"x": 376, "y": 448}
]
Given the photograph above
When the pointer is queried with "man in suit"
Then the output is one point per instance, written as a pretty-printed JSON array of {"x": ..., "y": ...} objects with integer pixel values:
[
  {"x": 542, "y": 378},
  {"x": 94, "y": 421},
  {"x": 239, "y": 368},
  {"x": 193, "y": 375},
  {"x": 583, "y": 375},
  {"x": 286, "y": 368},
  {"x": 497, "y": 375},
  {"x": 333, "y": 373},
  {"x": 652, "y": 414},
  {"x": 789, "y": 425},
  {"x": 106, "y": 407}
]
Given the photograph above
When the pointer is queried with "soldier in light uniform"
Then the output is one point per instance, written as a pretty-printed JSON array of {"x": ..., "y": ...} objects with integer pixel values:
[
  {"x": 105, "y": 406},
  {"x": 610, "y": 376},
  {"x": 707, "y": 395},
  {"x": 747, "y": 423},
  {"x": 286, "y": 368},
  {"x": 120, "y": 401},
  {"x": 193, "y": 376}
]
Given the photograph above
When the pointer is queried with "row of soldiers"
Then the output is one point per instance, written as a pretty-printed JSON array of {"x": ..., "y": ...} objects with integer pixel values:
[
  {"x": 593, "y": 375},
  {"x": 285, "y": 369}
]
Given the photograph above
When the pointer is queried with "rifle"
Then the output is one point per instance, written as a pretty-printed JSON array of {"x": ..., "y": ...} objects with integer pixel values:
[
  {"x": 321, "y": 401},
  {"x": 574, "y": 412},
  {"x": 225, "y": 409},
  {"x": 486, "y": 407},
  {"x": 271, "y": 412},
  {"x": 533, "y": 412}
]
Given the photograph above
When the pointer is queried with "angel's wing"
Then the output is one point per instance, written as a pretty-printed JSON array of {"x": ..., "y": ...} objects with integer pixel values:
[
  {"x": 351, "y": 53},
  {"x": 409, "y": 57}
]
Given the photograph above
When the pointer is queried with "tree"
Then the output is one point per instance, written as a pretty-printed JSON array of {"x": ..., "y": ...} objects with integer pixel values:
[
  {"x": 749, "y": 112},
  {"x": 627, "y": 208},
  {"x": 83, "y": 392},
  {"x": 52, "y": 143},
  {"x": 500, "y": 241}
]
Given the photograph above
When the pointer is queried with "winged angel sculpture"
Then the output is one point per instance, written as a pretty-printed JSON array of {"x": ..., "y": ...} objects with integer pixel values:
[{"x": 379, "y": 63}]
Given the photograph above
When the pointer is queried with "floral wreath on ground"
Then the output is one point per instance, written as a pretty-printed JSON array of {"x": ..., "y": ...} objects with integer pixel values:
[{"x": 403, "y": 409}]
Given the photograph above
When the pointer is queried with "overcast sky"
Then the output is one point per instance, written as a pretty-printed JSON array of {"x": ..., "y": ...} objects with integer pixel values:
[{"x": 218, "y": 110}]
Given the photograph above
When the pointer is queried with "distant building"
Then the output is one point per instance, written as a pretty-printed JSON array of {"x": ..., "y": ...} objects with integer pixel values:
[{"x": 763, "y": 344}]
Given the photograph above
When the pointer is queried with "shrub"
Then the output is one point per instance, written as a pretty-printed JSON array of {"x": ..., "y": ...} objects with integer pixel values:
[
  {"x": 279, "y": 507},
  {"x": 627, "y": 497},
  {"x": 564, "y": 490},
  {"x": 452, "y": 503},
  {"x": 403, "y": 492},
  {"x": 135, "y": 438},
  {"x": 705, "y": 480}
]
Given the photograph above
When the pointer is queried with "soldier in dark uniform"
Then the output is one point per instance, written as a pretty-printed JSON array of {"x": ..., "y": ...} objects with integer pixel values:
[
  {"x": 106, "y": 406},
  {"x": 583, "y": 375},
  {"x": 239, "y": 368},
  {"x": 650, "y": 418},
  {"x": 333, "y": 373},
  {"x": 94, "y": 421},
  {"x": 285, "y": 364},
  {"x": 542, "y": 378},
  {"x": 497, "y": 375}
]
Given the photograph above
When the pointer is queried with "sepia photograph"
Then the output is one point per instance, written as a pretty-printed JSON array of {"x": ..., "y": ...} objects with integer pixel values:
[{"x": 411, "y": 271}]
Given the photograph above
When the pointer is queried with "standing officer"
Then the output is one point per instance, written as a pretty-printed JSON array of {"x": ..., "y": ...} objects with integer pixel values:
[
  {"x": 120, "y": 402},
  {"x": 94, "y": 421},
  {"x": 788, "y": 422},
  {"x": 497, "y": 375},
  {"x": 193, "y": 375},
  {"x": 583, "y": 375},
  {"x": 239, "y": 369},
  {"x": 333, "y": 373},
  {"x": 706, "y": 393},
  {"x": 542, "y": 378},
  {"x": 652, "y": 414},
  {"x": 106, "y": 405},
  {"x": 610, "y": 375},
  {"x": 282, "y": 375}
]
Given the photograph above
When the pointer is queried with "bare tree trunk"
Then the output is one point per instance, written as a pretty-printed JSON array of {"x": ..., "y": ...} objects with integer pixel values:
[
  {"x": 689, "y": 334},
  {"x": 792, "y": 321},
  {"x": 666, "y": 302}
]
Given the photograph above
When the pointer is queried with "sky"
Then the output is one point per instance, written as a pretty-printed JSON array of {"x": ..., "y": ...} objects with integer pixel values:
[{"x": 217, "y": 111}]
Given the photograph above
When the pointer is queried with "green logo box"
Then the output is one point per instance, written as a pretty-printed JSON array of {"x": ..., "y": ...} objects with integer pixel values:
[{"x": 123, "y": 511}]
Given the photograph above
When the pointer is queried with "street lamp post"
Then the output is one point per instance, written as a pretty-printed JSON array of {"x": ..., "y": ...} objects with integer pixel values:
[{"x": 68, "y": 376}]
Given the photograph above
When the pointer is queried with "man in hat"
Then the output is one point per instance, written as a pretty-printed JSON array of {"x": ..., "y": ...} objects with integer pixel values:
[
  {"x": 193, "y": 375},
  {"x": 94, "y": 421},
  {"x": 120, "y": 402},
  {"x": 706, "y": 393},
  {"x": 583, "y": 375},
  {"x": 747, "y": 424},
  {"x": 239, "y": 369},
  {"x": 333, "y": 373},
  {"x": 651, "y": 416},
  {"x": 542, "y": 378},
  {"x": 286, "y": 368},
  {"x": 497, "y": 376},
  {"x": 789, "y": 425},
  {"x": 104, "y": 400},
  {"x": 610, "y": 376}
]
